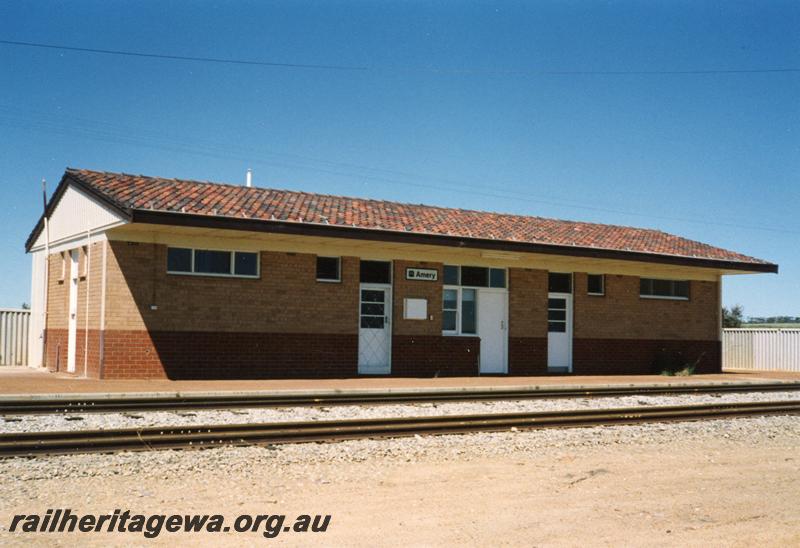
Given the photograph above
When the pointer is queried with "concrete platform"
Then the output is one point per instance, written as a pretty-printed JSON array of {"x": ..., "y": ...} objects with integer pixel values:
[{"x": 24, "y": 380}]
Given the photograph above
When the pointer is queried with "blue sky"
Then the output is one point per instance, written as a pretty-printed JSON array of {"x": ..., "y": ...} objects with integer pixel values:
[{"x": 457, "y": 107}]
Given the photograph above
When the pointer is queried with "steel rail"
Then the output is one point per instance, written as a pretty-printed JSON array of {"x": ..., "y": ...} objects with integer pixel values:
[
  {"x": 206, "y": 436},
  {"x": 106, "y": 404}
]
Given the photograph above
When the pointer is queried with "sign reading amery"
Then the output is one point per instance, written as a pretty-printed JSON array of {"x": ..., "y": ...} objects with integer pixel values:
[{"x": 426, "y": 274}]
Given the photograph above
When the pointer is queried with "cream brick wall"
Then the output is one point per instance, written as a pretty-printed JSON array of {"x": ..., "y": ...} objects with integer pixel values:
[
  {"x": 527, "y": 302},
  {"x": 89, "y": 280},
  {"x": 623, "y": 314},
  {"x": 90, "y": 272},
  {"x": 620, "y": 314},
  {"x": 288, "y": 299},
  {"x": 57, "y": 293},
  {"x": 285, "y": 299},
  {"x": 94, "y": 283},
  {"x": 432, "y": 291}
]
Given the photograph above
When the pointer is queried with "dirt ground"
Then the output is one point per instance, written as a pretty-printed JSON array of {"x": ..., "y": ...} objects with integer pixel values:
[{"x": 715, "y": 492}]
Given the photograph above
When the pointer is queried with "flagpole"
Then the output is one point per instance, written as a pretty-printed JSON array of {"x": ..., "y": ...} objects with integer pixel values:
[{"x": 46, "y": 272}]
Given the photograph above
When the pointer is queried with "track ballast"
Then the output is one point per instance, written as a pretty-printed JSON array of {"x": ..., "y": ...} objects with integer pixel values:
[
  {"x": 107, "y": 404},
  {"x": 197, "y": 437}
]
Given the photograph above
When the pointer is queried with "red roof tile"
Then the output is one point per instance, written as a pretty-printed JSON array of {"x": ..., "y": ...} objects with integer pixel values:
[{"x": 138, "y": 192}]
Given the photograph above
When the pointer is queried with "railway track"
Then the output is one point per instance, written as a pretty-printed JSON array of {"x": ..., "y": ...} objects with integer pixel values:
[
  {"x": 88, "y": 404},
  {"x": 151, "y": 438}
]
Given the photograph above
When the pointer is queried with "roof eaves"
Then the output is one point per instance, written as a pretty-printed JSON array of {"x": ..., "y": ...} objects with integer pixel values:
[{"x": 353, "y": 232}]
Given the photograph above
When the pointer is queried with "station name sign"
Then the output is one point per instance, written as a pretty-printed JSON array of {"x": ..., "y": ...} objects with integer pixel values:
[{"x": 425, "y": 274}]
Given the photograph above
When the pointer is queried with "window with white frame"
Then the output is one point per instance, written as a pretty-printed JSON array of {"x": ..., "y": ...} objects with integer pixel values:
[
  {"x": 450, "y": 310},
  {"x": 212, "y": 262},
  {"x": 596, "y": 284},
  {"x": 559, "y": 282},
  {"x": 329, "y": 269},
  {"x": 459, "y": 311},
  {"x": 475, "y": 276},
  {"x": 469, "y": 311},
  {"x": 460, "y": 297},
  {"x": 652, "y": 288},
  {"x": 375, "y": 272}
]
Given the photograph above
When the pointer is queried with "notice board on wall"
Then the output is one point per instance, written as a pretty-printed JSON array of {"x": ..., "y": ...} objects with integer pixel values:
[{"x": 415, "y": 309}]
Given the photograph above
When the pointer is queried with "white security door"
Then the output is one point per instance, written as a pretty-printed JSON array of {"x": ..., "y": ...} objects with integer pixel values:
[
  {"x": 559, "y": 332},
  {"x": 72, "y": 332},
  {"x": 374, "y": 333},
  {"x": 492, "y": 330}
]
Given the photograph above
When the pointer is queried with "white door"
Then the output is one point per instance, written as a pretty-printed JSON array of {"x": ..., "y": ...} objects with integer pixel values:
[
  {"x": 374, "y": 332},
  {"x": 492, "y": 330},
  {"x": 559, "y": 332},
  {"x": 72, "y": 333}
]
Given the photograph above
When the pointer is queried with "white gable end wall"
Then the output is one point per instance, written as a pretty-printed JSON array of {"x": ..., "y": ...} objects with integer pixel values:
[
  {"x": 76, "y": 214},
  {"x": 77, "y": 220}
]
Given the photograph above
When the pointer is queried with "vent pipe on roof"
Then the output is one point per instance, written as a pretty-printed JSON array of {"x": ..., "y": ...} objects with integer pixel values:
[{"x": 249, "y": 177}]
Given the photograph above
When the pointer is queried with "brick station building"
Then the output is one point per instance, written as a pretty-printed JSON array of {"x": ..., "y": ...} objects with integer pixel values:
[{"x": 145, "y": 277}]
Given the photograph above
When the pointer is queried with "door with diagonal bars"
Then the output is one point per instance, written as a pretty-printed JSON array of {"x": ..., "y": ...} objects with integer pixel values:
[{"x": 374, "y": 333}]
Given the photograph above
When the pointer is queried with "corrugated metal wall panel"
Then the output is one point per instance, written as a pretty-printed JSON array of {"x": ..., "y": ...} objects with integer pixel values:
[
  {"x": 761, "y": 349},
  {"x": 14, "y": 336}
]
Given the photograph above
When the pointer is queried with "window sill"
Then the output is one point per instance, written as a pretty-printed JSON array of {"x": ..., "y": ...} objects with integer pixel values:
[
  {"x": 596, "y": 294},
  {"x": 663, "y": 298},
  {"x": 329, "y": 281},
  {"x": 204, "y": 275},
  {"x": 453, "y": 334}
]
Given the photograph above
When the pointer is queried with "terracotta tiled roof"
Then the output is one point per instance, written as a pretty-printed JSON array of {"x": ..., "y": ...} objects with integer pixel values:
[{"x": 138, "y": 192}]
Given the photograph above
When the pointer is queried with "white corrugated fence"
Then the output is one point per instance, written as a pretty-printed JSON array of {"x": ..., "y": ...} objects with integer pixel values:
[
  {"x": 761, "y": 349},
  {"x": 14, "y": 336}
]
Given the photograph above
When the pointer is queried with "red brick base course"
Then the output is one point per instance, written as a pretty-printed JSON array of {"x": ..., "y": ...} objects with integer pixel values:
[
  {"x": 435, "y": 356},
  {"x": 87, "y": 352},
  {"x": 527, "y": 356},
  {"x": 202, "y": 355},
  {"x": 643, "y": 357},
  {"x": 56, "y": 349}
]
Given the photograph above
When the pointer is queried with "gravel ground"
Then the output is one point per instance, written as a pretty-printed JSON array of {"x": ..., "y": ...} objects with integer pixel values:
[
  {"x": 728, "y": 482},
  {"x": 100, "y": 421}
]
